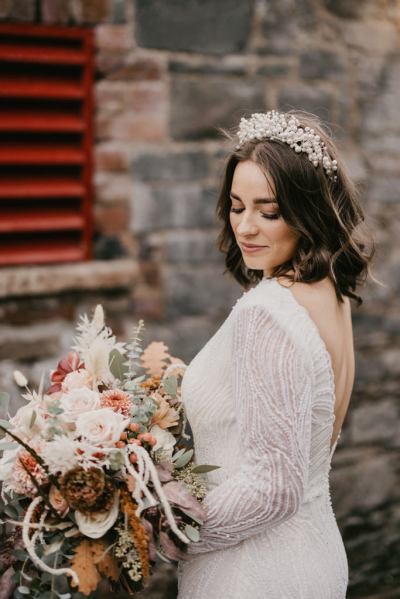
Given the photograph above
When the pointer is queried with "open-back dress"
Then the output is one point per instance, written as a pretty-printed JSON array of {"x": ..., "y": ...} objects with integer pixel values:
[{"x": 259, "y": 397}]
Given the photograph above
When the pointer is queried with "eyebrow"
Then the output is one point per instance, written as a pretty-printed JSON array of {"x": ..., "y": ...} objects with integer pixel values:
[{"x": 256, "y": 200}]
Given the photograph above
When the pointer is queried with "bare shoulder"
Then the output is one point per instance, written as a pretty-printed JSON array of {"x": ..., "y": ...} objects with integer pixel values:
[{"x": 319, "y": 298}]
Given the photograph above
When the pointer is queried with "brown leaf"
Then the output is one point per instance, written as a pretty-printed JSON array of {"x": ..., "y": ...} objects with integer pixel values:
[
  {"x": 84, "y": 565},
  {"x": 153, "y": 358},
  {"x": 105, "y": 562}
]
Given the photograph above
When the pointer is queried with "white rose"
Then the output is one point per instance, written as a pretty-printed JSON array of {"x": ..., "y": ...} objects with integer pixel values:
[
  {"x": 96, "y": 525},
  {"x": 28, "y": 421},
  {"x": 76, "y": 379},
  {"x": 101, "y": 427},
  {"x": 165, "y": 440},
  {"x": 78, "y": 401}
]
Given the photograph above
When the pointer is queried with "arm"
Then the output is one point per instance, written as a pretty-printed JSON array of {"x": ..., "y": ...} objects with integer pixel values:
[{"x": 272, "y": 393}]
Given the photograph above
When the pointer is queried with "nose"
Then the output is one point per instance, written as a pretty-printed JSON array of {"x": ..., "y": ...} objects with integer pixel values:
[{"x": 246, "y": 226}]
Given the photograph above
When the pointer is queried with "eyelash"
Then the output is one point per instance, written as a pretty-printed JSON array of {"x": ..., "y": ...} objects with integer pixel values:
[{"x": 267, "y": 216}]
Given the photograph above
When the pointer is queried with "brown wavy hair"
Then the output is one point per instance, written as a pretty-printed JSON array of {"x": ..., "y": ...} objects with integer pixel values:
[{"x": 334, "y": 240}]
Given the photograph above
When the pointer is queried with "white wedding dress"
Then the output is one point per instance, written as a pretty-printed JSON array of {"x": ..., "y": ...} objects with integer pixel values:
[{"x": 259, "y": 397}]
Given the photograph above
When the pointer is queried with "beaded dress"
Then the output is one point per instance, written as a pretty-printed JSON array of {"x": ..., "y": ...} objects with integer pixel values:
[{"x": 259, "y": 397}]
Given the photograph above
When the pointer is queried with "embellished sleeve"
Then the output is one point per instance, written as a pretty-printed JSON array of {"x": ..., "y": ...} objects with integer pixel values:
[{"x": 272, "y": 396}]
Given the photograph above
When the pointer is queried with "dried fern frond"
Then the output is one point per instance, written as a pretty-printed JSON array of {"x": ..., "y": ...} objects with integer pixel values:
[
  {"x": 155, "y": 358},
  {"x": 134, "y": 350}
]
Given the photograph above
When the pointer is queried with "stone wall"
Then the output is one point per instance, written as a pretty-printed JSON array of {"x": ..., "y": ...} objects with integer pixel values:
[{"x": 169, "y": 73}]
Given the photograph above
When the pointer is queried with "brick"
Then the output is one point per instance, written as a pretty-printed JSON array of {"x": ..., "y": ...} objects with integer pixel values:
[
  {"x": 111, "y": 218},
  {"x": 91, "y": 11},
  {"x": 160, "y": 207},
  {"x": 317, "y": 63},
  {"x": 273, "y": 70},
  {"x": 375, "y": 422},
  {"x": 23, "y": 10},
  {"x": 55, "y": 11},
  {"x": 141, "y": 69},
  {"x": 177, "y": 166},
  {"x": 112, "y": 187},
  {"x": 192, "y": 26},
  {"x": 372, "y": 37},
  {"x": 197, "y": 110},
  {"x": 111, "y": 156},
  {"x": 113, "y": 38},
  {"x": 134, "y": 126}
]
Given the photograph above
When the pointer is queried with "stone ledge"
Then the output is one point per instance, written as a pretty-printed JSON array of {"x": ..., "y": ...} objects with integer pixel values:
[{"x": 55, "y": 278}]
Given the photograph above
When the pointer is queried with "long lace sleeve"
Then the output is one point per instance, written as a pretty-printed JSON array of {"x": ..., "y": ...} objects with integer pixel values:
[{"x": 272, "y": 393}]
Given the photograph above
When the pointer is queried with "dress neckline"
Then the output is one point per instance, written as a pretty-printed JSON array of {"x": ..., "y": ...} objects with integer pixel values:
[{"x": 300, "y": 308}]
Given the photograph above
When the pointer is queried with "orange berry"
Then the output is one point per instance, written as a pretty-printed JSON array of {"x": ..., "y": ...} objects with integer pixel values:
[
  {"x": 124, "y": 436},
  {"x": 136, "y": 441},
  {"x": 120, "y": 444},
  {"x": 153, "y": 440},
  {"x": 132, "y": 458},
  {"x": 134, "y": 427},
  {"x": 146, "y": 437}
]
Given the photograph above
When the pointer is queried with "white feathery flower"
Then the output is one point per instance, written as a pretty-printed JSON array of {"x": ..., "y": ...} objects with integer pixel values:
[
  {"x": 20, "y": 378},
  {"x": 61, "y": 454}
]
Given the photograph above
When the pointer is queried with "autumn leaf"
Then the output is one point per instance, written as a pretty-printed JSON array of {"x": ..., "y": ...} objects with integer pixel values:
[
  {"x": 104, "y": 561},
  {"x": 154, "y": 357},
  {"x": 84, "y": 565}
]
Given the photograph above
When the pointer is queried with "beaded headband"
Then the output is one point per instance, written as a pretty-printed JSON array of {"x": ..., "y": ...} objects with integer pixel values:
[{"x": 287, "y": 128}]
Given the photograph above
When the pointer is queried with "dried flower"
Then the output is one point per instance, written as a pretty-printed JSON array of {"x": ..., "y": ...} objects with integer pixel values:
[
  {"x": 82, "y": 488},
  {"x": 165, "y": 416},
  {"x": 117, "y": 400},
  {"x": 57, "y": 501},
  {"x": 138, "y": 531},
  {"x": 69, "y": 364},
  {"x": 20, "y": 479},
  {"x": 20, "y": 378}
]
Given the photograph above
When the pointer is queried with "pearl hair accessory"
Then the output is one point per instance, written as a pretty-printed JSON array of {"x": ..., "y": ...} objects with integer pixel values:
[{"x": 287, "y": 128}]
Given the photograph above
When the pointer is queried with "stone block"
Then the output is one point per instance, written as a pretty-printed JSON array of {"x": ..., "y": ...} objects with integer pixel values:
[
  {"x": 376, "y": 422},
  {"x": 177, "y": 166},
  {"x": 111, "y": 218},
  {"x": 23, "y": 10},
  {"x": 81, "y": 276},
  {"x": 199, "y": 107},
  {"x": 309, "y": 98},
  {"x": 345, "y": 9},
  {"x": 5, "y": 8},
  {"x": 317, "y": 63},
  {"x": 273, "y": 70},
  {"x": 192, "y": 247},
  {"x": 363, "y": 479},
  {"x": 370, "y": 36},
  {"x": 199, "y": 291},
  {"x": 282, "y": 25},
  {"x": 91, "y": 11},
  {"x": 27, "y": 342},
  {"x": 160, "y": 207},
  {"x": 55, "y": 11},
  {"x": 206, "y": 68},
  {"x": 111, "y": 188},
  {"x": 384, "y": 189},
  {"x": 192, "y": 26}
]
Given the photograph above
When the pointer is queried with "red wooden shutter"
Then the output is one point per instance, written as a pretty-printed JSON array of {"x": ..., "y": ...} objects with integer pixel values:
[{"x": 46, "y": 137}]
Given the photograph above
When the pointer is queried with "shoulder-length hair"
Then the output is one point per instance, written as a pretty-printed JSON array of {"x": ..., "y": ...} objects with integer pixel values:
[{"x": 327, "y": 215}]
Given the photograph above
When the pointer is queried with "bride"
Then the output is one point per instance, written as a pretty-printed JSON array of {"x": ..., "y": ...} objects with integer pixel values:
[{"x": 267, "y": 395}]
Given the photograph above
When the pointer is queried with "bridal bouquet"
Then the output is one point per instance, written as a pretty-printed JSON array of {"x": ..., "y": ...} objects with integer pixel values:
[{"x": 98, "y": 477}]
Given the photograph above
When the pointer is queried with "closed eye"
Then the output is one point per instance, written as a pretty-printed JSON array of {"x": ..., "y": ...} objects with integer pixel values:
[{"x": 271, "y": 216}]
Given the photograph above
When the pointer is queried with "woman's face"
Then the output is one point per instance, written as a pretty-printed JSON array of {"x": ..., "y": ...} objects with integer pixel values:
[{"x": 255, "y": 219}]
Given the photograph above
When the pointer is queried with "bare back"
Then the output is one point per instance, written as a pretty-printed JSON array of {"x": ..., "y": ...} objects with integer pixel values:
[{"x": 333, "y": 320}]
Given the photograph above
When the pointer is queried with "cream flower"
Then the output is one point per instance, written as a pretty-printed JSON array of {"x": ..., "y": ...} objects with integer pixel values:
[
  {"x": 96, "y": 525},
  {"x": 101, "y": 427},
  {"x": 61, "y": 454},
  {"x": 28, "y": 421},
  {"x": 77, "y": 402},
  {"x": 165, "y": 440},
  {"x": 76, "y": 380}
]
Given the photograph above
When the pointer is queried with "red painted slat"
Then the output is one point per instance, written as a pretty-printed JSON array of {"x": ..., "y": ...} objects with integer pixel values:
[
  {"x": 37, "y": 154},
  {"x": 40, "y": 87},
  {"x": 40, "y": 188},
  {"x": 32, "y": 220},
  {"x": 40, "y": 54},
  {"x": 46, "y": 121},
  {"x": 42, "y": 253}
]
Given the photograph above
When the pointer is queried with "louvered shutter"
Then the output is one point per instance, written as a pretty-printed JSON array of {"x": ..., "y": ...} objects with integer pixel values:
[{"x": 46, "y": 138}]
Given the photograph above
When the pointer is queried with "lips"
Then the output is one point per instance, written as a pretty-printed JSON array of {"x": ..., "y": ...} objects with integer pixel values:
[{"x": 250, "y": 246}]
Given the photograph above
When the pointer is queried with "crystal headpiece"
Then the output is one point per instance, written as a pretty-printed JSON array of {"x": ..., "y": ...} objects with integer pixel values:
[{"x": 287, "y": 128}]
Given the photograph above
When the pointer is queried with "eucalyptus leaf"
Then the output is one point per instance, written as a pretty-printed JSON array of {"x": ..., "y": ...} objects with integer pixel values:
[
  {"x": 117, "y": 366},
  {"x": 5, "y": 445},
  {"x": 170, "y": 384},
  {"x": 5, "y": 424},
  {"x": 24, "y": 590},
  {"x": 184, "y": 459},
  {"x": 178, "y": 454},
  {"x": 33, "y": 418},
  {"x": 4, "y": 400},
  {"x": 192, "y": 516},
  {"x": 203, "y": 468},
  {"x": 192, "y": 533}
]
